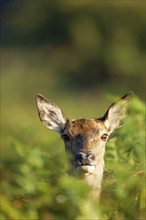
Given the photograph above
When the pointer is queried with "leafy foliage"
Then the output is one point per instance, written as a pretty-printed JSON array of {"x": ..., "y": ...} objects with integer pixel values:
[
  {"x": 35, "y": 185},
  {"x": 75, "y": 52}
]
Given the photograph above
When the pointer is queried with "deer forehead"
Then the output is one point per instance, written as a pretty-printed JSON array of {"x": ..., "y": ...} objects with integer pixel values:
[{"x": 84, "y": 127}]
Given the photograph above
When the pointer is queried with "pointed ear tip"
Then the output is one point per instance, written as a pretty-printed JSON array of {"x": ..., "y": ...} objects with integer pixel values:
[
  {"x": 128, "y": 96},
  {"x": 39, "y": 96},
  {"x": 131, "y": 93}
]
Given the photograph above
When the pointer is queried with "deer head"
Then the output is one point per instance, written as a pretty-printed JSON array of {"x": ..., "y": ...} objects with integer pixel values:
[{"x": 84, "y": 139}]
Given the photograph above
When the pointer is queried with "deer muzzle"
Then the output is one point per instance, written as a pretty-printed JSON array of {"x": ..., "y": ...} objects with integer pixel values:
[{"x": 84, "y": 162}]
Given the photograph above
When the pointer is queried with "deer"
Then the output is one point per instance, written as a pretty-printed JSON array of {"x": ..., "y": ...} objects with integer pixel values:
[{"x": 84, "y": 139}]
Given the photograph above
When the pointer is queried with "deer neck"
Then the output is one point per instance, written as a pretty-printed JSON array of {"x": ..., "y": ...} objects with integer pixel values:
[{"x": 94, "y": 179}]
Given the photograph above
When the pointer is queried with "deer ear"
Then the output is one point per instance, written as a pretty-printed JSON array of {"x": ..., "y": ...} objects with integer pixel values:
[
  {"x": 50, "y": 114},
  {"x": 116, "y": 112}
]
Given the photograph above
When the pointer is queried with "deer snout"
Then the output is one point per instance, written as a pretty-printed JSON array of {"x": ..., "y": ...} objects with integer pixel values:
[{"x": 85, "y": 158}]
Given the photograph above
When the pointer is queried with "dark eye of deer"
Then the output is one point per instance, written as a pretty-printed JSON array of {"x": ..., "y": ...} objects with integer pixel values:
[
  {"x": 65, "y": 137},
  {"x": 104, "y": 137}
]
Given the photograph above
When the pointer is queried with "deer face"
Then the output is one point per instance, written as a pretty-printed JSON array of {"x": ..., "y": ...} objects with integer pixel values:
[
  {"x": 84, "y": 138},
  {"x": 85, "y": 143}
]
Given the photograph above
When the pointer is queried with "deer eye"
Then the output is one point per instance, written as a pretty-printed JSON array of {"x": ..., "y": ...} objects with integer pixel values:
[
  {"x": 104, "y": 137},
  {"x": 65, "y": 137}
]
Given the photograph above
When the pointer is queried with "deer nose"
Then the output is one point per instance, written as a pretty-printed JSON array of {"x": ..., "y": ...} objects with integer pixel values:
[{"x": 85, "y": 158}]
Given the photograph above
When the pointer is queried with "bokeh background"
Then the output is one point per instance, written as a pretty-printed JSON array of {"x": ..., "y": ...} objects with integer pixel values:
[{"x": 79, "y": 54}]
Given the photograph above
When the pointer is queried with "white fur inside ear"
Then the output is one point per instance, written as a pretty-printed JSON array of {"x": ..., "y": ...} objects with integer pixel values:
[
  {"x": 115, "y": 115},
  {"x": 50, "y": 114}
]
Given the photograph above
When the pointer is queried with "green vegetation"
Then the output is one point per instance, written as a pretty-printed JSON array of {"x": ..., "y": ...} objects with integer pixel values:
[
  {"x": 74, "y": 53},
  {"x": 35, "y": 185}
]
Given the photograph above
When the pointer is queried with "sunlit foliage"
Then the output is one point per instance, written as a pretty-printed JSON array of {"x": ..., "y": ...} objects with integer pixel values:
[
  {"x": 35, "y": 183},
  {"x": 73, "y": 52}
]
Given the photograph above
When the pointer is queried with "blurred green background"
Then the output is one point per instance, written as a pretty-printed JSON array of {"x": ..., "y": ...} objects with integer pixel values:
[{"x": 79, "y": 54}]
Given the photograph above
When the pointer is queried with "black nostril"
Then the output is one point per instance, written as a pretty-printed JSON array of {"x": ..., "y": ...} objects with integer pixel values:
[
  {"x": 90, "y": 156},
  {"x": 81, "y": 158}
]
